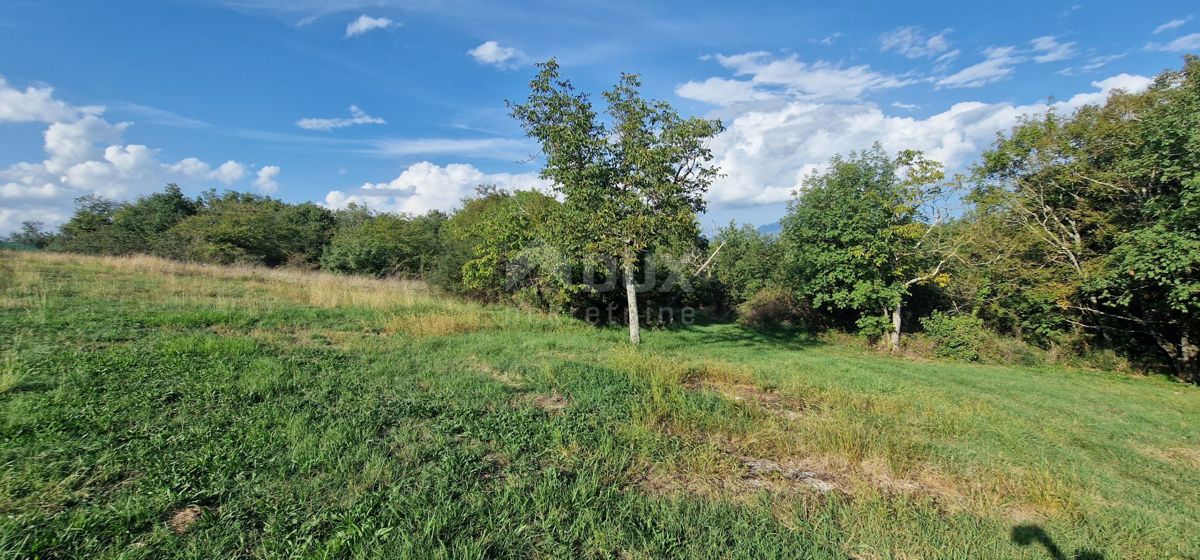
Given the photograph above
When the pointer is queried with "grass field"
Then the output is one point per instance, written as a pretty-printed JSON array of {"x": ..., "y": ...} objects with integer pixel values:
[{"x": 150, "y": 409}]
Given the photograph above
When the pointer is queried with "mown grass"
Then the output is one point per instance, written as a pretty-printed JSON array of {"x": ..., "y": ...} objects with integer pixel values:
[{"x": 153, "y": 409}]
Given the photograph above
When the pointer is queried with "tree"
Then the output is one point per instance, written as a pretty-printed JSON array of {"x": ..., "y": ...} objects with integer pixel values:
[
  {"x": 141, "y": 224},
  {"x": 90, "y": 229},
  {"x": 31, "y": 235},
  {"x": 744, "y": 260},
  {"x": 1109, "y": 194},
  {"x": 383, "y": 244},
  {"x": 496, "y": 248},
  {"x": 246, "y": 228},
  {"x": 858, "y": 237},
  {"x": 628, "y": 184}
]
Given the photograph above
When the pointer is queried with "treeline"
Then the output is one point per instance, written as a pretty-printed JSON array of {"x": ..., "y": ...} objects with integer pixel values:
[
  {"x": 1075, "y": 237},
  {"x": 1078, "y": 233}
]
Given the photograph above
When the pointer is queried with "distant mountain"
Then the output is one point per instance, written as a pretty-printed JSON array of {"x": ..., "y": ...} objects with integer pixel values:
[{"x": 772, "y": 228}]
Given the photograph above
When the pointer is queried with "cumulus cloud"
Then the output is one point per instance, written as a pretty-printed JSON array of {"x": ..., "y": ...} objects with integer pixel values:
[
  {"x": 721, "y": 91},
  {"x": 1051, "y": 50},
  {"x": 1173, "y": 24},
  {"x": 494, "y": 54},
  {"x": 997, "y": 65},
  {"x": 357, "y": 116},
  {"x": 366, "y": 23},
  {"x": 266, "y": 180},
  {"x": 1185, "y": 43},
  {"x": 85, "y": 154},
  {"x": 768, "y": 76},
  {"x": 229, "y": 172},
  {"x": 425, "y": 186},
  {"x": 769, "y": 146},
  {"x": 37, "y": 104},
  {"x": 913, "y": 42}
]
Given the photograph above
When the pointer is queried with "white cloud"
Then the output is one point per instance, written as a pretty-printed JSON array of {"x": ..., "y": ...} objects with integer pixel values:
[
  {"x": 425, "y": 186},
  {"x": 229, "y": 172},
  {"x": 366, "y": 23},
  {"x": 913, "y": 42},
  {"x": 941, "y": 63},
  {"x": 493, "y": 53},
  {"x": 357, "y": 116},
  {"x": 721, "y": 91},
  {"x": 1051, "y": 50},
  {"x": 769, "y": 146},
  {"x": 267, "y": 181},
  {"x": 37, "y": 104},
  {"x": 997, "y": 65},
  {"x": 817, "y": 80},
  {"x": 1173, "y": 24},
  {"x": 1185, "y": 43},
  {"x": 905, "y": 106},
  {"x": 85, "y": 154},
  {"x": 830, "y": 39}
]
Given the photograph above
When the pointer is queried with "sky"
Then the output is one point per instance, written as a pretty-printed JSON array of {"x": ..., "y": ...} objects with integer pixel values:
[{"x": 401, "y": 104}]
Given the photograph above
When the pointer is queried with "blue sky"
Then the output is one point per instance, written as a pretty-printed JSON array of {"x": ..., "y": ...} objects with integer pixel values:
[{"x": 401, "y": 104}]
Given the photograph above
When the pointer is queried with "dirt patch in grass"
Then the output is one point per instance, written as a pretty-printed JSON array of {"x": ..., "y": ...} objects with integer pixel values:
[
  {"x": 183, "y": 519},
  {"x": 507, "y": 378},
  {"x": 719, "y": 470},
  {"x": 553, "y": 403},
  {"x": 770, "y": 401},
  {"x": 738, "y": 478}
]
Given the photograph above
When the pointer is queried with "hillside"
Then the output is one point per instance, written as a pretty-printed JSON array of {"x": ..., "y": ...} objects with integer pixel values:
[{"x": 151, "y": 409}]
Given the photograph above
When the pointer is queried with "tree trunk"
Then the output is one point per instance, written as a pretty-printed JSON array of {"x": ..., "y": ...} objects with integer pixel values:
[
  {"x": 635, "y": 331},
  {"x": 894, "y": 337},
  {"x": 1189, "y": 359}
]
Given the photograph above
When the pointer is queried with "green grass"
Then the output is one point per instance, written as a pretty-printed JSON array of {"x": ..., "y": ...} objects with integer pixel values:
[{"x": 304, "y": 415}]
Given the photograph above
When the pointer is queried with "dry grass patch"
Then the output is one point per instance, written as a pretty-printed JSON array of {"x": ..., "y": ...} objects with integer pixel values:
[
  {"x": 1186, "y": 456},
  {"x": 553, "y": 403},
  {"x": 437, "y": 324},
  {"x": 768, "y": 401},
  {"x": 319, "y": 289},
  {"x": 183, "y": 519},
  {"x": 508, "y": 378}
]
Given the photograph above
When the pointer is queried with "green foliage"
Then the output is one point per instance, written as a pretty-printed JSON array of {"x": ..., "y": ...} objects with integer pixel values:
[
  {"x": 1101, "y": 206},
  {"x": 958, "y": 337},
  {"x": 143, "y": 222},
  {"x": 104, "y": 227},
  {"x": 747, "y": 261},
  {"x": 32, "y": 235},
  {"x": 384, "y": 244},
  {"x": 628, "y": 185},
  {"x": 497, "y": 247},
  {"x": 855, "y": 238},
  {"x": 772, "y": 307},
  {"x": 246, "y": 228},
  {"x": 90, "y": 229}
]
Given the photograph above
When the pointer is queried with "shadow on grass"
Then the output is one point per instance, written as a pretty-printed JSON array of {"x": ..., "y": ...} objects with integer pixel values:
[
  {"x": 1025, "y": 535},
  {"x": 733, "y": 334}
]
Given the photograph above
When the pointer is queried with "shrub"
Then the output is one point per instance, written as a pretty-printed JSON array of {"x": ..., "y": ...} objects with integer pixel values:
[
  {"x": 959, "y": 337},
  {"x": 384, "y": 245},
  {"x": 770, "y": 307}
]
